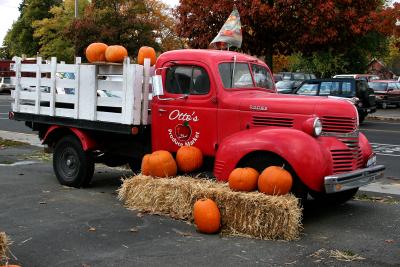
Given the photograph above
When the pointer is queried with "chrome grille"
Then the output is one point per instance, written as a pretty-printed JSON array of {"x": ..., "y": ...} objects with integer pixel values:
[
  {"x": 333, "y": 124},
  {"x": 259, "y": 121},
  {"x": 345, "y": 160}
]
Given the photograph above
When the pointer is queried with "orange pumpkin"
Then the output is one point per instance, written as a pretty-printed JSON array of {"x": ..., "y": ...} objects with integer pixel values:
[
  {"x": 146, "y": 164},
  {"x": 243, "y": 179},
  {"x": 96, "y": 52},
  {"x": 116, "y": 53},
  {"x": 189, "y": 158},
  {"x": 206, "y": 216},
  {"x": 162, "y": 164},
  {"x": 275, "y": 180},
  {"x": 147, "y": 52}
]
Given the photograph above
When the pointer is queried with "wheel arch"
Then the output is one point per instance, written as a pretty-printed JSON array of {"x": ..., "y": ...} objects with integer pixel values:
[
  {"x": 302, "y": 153},
  {"x": 54, "y": 133}
]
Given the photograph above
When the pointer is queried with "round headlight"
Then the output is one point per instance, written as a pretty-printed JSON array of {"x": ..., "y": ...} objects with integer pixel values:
[{"x": 317, "y": 127}]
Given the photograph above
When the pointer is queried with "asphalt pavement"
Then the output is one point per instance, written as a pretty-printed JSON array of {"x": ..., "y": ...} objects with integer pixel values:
[{"x": 53, "y": 225}]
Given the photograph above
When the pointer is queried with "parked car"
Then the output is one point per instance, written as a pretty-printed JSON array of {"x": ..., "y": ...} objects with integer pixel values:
[
  {"x": 366, "y": 77},
  {"x": 287, "y": 86},
  {"x": 5, "y": 84},
  {"x": 356, "y": 91},
  {"x": 387, "y": 92},
  {"x": 278, "y": 77},
  {"x": 297, "y": 76}
]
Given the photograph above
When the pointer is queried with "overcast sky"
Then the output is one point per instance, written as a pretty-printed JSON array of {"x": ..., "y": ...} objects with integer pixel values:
[{"x": 9, "y": 13}]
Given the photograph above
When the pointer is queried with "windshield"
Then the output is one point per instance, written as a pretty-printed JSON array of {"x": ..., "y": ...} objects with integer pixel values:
[
  {"x": 242, "y": 76},
  {"x": 284, "y": 84},
  {"x": 378, "y": 86}
]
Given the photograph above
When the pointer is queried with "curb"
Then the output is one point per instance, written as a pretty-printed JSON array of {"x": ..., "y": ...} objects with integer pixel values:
[{"x": 382, "y": 118}]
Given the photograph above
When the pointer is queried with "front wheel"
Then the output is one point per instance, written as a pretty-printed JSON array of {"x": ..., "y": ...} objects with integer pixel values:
[
  {"x": 72, "y": 165},
  {"x": 334, "y": 198}
]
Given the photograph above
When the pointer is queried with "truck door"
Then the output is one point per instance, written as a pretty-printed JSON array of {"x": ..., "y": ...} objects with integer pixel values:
[{"x": 187, "y": 112}]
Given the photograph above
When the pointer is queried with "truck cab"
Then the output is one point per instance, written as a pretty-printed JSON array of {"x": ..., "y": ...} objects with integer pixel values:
[{"x": 226, "y": 104}]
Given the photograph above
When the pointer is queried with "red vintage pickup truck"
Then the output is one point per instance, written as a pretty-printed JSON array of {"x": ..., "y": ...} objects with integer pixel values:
[{"x": 224, "y": 103}]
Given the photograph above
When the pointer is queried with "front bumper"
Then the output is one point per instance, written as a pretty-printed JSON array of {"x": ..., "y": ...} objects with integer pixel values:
[{"x": 345, "y": 181}]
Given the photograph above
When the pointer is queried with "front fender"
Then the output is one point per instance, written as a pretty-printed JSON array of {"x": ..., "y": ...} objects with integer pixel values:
[
  {"x": 52, "y": 133},
  {"x": 305, "y": 154}
]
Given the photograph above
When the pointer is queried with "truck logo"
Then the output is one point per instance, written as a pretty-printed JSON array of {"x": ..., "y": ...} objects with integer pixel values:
[
  {"x": 183, "y": 131},
  {"x": 176, "y": 114},
  {"x": 258, "y": 108}
]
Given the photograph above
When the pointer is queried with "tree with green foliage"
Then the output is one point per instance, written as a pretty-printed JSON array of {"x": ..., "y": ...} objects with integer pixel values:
[
  {"x": 19, "y": 39},
  {"x": 131, "y": 23},
  {"x": 51, "y": 32}
]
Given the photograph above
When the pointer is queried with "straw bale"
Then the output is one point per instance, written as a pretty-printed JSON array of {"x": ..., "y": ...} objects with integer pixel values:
[
  {"x": 3, "y": 246},
  {"x": 250, "y": 214}
]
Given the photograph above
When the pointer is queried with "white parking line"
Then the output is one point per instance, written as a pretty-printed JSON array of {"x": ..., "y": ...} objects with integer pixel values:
[{"x": 386, "y": 149}]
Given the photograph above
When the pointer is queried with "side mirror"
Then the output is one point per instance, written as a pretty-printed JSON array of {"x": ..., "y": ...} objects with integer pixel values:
[{"x": 157, "y": 85}]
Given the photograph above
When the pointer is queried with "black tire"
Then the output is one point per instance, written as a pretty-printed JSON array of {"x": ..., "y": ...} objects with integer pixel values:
[
  {"x": 335, "y": 198},
  {"x": 260, "y": 161},
  {"x": 135, "y": 165},
  {"x": 72, "y": 166}
]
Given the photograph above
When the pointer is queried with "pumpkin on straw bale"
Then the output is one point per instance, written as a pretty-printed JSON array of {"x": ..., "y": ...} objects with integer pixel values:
[
  {"x": 243, "y": 179},
  {"x": 275, "y": 180},
  {"x": 189, "y": 158},
  {"x": 250, "y": 214},
  {"x": 160, "y": 163}
]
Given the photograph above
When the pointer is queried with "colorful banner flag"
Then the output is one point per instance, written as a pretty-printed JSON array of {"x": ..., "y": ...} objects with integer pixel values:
[{"x": 230, "y": 33}]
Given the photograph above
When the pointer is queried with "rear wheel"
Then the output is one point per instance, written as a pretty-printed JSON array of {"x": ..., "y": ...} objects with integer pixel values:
[
  {"x": 72, "y": 165},
  {"x": 260, "y": 161},
  {"x": 334, "y": 198}
]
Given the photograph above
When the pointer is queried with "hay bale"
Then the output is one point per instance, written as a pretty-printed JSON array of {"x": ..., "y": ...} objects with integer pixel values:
[
  {"x": 251, "y": 214},
  {"x": 3, "y": 246}
]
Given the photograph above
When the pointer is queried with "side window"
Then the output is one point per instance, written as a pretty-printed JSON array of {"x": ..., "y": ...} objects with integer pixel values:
[
  {"x": 308, "y": 89},
  {"x": 391, "y": 86},
  {"x": 346, "y": 88},
  {"x": 325, "y": 88},
  {"x": 191, "y": 80},
  {"x": 262, "y": 77}
]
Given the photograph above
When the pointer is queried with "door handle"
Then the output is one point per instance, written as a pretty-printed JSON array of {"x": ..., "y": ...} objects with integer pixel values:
[{"x": 161, "y": 110}]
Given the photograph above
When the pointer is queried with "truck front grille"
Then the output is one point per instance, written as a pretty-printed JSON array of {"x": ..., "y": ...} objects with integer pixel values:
[
  {"x": 350, "y": 159},
  {"x": 260, "y": 121},
  {"x": 333, "y": 124}
]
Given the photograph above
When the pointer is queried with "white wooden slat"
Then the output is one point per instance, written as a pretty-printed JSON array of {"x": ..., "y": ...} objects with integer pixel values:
[
  {"x": 109, "y": 102},
  {"x": 45, "y": 81},
  {"x": 28, "y": 68},
  {"x": 65, "y": 67},
  {"x": 125, "y": 75},
  {"x": 63, "y": 112},
  {"x": 137, "y": 93},
  {"x": 88, "y": 92},
  {"x": 65, "y": 98},
  {"x": 145, "y": 91},
  {"x": 110, "y": 69},
  {"x": 45, "y": 110},
  {"x": 45, "y": 68},
  {"x": 27, "y": 109},
  {"x": 17, "y": 90},
  {"x": 65, "y": 83},
  {"x": 109, "y": 117},
  {"x": 76, "y": 86},
  {"x": 110, "y": 85},
  {"x": 26, "y": 95},
  {"x": 28, "y": 81},
  {"x": 53, "y": 63},
  {"x": 38, "y": 84}
]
